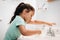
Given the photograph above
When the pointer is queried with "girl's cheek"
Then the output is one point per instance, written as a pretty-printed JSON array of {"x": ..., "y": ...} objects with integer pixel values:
[{"x": 28, "y": 19}]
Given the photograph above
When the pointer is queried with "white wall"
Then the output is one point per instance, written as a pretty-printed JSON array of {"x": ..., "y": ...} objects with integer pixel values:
[
  {"x": 51, "y": 14},
  {"x": 8, "y": 7}
]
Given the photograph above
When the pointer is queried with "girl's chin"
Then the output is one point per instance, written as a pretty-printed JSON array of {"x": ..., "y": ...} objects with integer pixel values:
[{"x": 27, "y": 21}]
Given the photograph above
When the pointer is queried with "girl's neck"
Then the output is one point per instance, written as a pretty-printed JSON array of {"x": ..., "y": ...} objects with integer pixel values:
[{"x": 23, "y": 17}]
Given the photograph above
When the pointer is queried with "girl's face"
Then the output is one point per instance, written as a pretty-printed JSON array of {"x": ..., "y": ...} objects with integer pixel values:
[{"x": 28, "y": 15}]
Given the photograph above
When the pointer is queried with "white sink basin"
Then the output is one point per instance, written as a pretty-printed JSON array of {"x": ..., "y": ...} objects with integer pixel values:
[{"x": 42, "y": 36}]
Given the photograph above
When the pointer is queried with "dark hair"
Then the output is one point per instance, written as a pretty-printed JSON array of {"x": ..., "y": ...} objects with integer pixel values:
[{"x": 20, "y": 9}]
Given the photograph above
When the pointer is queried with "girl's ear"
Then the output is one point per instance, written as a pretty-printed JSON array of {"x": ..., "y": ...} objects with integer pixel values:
[{"x": 25, "y": 11}]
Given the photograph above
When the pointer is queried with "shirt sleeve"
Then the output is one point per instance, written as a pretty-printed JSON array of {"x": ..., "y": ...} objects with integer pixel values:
[{"x": 20, "y": 22}]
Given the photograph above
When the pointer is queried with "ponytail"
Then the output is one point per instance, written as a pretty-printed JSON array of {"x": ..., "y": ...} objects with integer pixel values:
[
  {"x": 12, "y": 18},
  {"x": 16, "y": 11}
]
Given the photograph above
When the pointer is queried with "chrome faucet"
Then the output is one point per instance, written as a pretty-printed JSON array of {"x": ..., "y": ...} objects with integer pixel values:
[{"x": 50, "y": 32}]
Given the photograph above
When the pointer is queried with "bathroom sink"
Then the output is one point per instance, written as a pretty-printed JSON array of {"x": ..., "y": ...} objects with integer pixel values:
[{"x": 42, "y": 36}]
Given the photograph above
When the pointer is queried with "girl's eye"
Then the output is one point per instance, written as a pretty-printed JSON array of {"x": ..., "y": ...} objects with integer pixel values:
[{"x": 31, "y": 15}]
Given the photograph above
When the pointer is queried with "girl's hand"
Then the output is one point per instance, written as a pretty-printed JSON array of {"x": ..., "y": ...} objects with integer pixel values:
[{"x": 51, "y": 24}]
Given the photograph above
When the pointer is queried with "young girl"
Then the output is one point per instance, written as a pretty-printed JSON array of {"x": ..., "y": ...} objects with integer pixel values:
[{"x": 22, "y": 15}]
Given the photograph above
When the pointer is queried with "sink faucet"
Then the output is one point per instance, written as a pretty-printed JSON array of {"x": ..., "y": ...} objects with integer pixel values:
[{"x": 50, "y": 32}]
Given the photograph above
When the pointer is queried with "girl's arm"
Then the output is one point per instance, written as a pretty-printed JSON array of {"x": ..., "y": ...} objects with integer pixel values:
[
  {"x": 41, "y": 22},
  {"x": 28, "y": 32}
]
